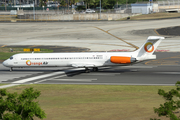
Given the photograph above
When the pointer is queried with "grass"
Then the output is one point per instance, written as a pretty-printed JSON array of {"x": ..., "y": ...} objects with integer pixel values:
[
  {"x": 5, "y": 53},
  {"x": 97, "y": 102},
  {"x": 2, "y": 84},
  {"x": 153, "y": 16}
]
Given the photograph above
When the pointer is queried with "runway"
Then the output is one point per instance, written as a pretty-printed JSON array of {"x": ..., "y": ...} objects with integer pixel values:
[{"x": 155, "y": 72}]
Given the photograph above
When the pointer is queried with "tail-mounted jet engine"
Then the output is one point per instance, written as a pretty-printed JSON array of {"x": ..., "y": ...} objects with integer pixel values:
[{"x": 122, "y": 60}]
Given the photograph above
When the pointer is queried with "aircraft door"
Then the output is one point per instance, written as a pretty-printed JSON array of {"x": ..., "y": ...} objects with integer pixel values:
[
  {"x": 15, "y": 61},
  {"x": 106, "y": 58}
]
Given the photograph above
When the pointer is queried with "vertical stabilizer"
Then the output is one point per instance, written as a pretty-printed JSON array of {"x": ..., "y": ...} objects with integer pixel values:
[{"x": 148, "y": 48}]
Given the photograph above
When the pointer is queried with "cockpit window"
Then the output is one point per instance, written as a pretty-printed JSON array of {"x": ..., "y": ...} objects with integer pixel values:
[{"x": 11, "y": 58}]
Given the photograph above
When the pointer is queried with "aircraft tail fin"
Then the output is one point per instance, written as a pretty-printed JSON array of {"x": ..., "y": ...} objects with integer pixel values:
[{"x": 148, "y": 48}]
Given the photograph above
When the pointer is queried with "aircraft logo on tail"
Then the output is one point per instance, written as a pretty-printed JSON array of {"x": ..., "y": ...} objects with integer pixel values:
[{"x": 147, "y": 49}]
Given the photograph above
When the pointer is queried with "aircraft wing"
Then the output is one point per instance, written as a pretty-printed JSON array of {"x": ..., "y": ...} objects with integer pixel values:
[{"x": 82, "y": 65}]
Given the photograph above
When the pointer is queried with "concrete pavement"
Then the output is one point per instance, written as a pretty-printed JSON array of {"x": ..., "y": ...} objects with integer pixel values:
[{"x": 87, "y": 34}]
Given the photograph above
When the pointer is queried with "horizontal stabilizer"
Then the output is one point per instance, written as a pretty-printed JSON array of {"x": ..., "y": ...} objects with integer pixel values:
[{"x": 147, "y": 57}]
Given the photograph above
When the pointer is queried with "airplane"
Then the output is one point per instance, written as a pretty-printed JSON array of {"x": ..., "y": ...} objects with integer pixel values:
[{"x": 86, "y": 59}]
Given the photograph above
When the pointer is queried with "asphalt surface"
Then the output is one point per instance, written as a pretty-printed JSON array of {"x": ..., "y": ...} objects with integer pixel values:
[
  {"x": 170, "y": 31},
  {"x": 132, "y": 75},
  {"x": 165, "y": 70},
  {"x": 96, "y": 35},
  {"x": 174, "y": 31}
]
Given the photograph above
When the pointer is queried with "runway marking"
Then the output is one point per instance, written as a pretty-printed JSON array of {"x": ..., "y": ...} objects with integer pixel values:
[
  {"x": 138, "y": 66},
  {"x": 173, "y": 73},
  {"x": 155, "y": 30},
  {"x": 119, "y": 38},
  {"x": 163, "y": 61},
  {"x": 48, "y": 79},
  {"x": 3, "y": 45},
  {"x": 10, "y": 85},
  {"x": 84, "y": 80},
  {"x": 176, "y": 56},
  {"x": 133, "y": 84},
  {"x": 33, "y": 46},
  {"x": 46, "y": 75},
  {"x": 38, "y": 77},
  {"x": 104, "y": 74},
  {"x": 56, "y": 79}
]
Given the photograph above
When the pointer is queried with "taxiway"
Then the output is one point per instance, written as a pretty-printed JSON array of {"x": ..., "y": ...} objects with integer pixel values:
[
  {"x": 95, "y": 36},
  {"x": 165, "y": 70}
]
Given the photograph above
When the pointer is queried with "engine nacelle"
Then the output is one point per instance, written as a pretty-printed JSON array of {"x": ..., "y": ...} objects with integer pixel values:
[{"x": 122, "y": 60}]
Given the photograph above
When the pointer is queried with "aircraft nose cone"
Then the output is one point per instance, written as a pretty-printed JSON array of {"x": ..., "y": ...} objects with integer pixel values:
[{"x": 5, "y": 63}]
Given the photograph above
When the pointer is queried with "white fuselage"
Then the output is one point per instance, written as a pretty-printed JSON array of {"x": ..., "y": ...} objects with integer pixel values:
[{"x": 88, "y": 59}]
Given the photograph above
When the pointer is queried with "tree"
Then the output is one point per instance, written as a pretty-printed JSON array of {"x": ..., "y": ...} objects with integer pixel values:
[
  {"x": 20, "y": 107},
  {"x": 171, "y": 105},
  {"x": 81, "y": 7},
  {"x": 63, "y": 3},
  {"x": 72, "y": 2},
  {"x": 95, "y": 3},
  {"x": 43, "y": 3},
  {"x": 108, "y": 4}
]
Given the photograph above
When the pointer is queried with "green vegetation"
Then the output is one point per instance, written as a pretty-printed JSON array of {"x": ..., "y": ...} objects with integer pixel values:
[
  {"x": 63, "y": 3},
  {"x": 153, "y": 16},
  {"x": 109, "y": 4},
  {"x": 2, "y": 84},
  {"x": 171, "y": 107},
  {"x": 20, "y": 107},
  {"x": 81, "y": 7},
  {"x": 97, "y": 102},
  {"x": 106, "y": 4},
  {"x": 43, "y": 3},
  {"x": 5, "y": 53}
]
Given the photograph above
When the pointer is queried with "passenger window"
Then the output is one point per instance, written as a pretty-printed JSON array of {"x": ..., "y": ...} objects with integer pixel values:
[{"x": 11, "y": 58}]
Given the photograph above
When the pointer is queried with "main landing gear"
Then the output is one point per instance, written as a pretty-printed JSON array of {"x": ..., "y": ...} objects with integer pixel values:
[
  {"x": 95, "y": 69},
  {"x": 87, "y": 70},
  {"x": 11, "y": 69}
]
